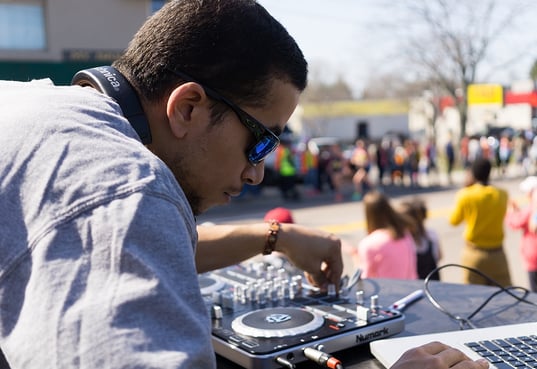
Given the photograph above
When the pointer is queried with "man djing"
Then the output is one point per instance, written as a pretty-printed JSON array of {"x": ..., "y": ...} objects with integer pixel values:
[{"x": 99, "y": 251}]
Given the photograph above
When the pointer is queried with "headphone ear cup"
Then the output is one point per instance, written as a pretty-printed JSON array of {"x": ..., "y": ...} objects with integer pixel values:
[
  {"x": 87, "y": 78},
  {"x": 109, "y": 81}
]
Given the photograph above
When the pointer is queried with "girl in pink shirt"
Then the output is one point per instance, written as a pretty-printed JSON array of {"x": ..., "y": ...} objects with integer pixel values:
[
  {"x": 388, "y": 250},
  {"x": 520, "y": 218}
]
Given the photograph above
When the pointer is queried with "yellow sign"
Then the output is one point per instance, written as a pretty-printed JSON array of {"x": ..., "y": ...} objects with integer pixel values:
[
  {"x": 485, "y": 94},
  {"x": 353, "y": 108}
]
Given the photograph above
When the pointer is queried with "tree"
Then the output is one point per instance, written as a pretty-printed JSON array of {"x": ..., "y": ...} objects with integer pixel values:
[
  {"x": 392, "y": 85},
  {"x": 318, "y": 91},
  {"x": 446, "y": 42}
]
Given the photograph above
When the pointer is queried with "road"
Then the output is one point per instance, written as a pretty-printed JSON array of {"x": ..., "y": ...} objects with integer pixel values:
[{"x": 346, "y": 219}]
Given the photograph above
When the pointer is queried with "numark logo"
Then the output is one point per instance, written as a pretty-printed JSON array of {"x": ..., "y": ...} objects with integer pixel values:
[{"x": 368, "y": 337}]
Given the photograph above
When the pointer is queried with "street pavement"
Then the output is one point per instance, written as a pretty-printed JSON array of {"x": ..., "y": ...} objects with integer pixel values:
[{"x": 346, "y": 218}]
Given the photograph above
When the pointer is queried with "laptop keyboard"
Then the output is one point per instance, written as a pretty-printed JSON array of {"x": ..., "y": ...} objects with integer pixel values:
[{"x": 508, "y": 353}]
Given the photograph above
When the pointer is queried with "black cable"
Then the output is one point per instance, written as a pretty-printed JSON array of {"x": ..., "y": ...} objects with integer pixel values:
[{"x": 466, "y": 321}]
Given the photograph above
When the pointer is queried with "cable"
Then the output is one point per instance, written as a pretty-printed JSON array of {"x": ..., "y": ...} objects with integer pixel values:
[
  {"x": 466, "y": 321},
  {"x": 322, "y": 358},
  {"x": 350, "y": 283},
  {"x": 284, "y": 362}
]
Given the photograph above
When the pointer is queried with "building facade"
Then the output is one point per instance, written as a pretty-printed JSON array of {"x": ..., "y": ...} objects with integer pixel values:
[
  {"x": 349, "y": 120},
  {"x": 56, "y": 38}
]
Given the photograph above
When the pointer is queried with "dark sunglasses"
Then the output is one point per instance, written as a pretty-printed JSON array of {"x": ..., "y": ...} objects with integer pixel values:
[{"x": 266, "y": 140}]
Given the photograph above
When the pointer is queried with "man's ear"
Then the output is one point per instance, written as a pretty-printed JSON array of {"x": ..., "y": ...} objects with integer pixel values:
[{"x": 182, "y": 105}]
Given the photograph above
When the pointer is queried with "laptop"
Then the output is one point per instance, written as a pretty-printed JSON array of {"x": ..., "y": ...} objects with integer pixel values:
[{"x": 476, "y": 343}]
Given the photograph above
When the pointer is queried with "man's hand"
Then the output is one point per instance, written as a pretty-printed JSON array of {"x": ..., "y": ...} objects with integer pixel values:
[
  {"x": 316, "y": 252},
  {"x": 436, "y": 355}
]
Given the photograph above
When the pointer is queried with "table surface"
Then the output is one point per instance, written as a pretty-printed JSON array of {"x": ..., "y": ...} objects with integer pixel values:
[{"x": 423, "y": 317}]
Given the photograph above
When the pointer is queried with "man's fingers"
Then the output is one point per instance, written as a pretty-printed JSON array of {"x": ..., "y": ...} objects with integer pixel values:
[
  {"x": 452, "y": 356},
  {"x": 317, "y": 279},
  {"x": 434, "y": 347}
]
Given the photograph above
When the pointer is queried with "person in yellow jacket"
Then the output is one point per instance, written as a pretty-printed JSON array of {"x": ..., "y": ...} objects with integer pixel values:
[
  {"x": 483, "y": 208},
  {"x": 287, "y": 171}
]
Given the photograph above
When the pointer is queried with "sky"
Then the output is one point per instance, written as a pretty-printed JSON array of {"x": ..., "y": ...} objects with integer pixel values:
[{"x": 347, "y": 38}]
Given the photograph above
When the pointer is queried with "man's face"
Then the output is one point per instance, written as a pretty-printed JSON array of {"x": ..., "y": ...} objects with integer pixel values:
[{"x": 210, "y": 162}]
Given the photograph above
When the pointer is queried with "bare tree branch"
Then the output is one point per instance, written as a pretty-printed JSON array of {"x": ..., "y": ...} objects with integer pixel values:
[{"x": 450, "y": 40}]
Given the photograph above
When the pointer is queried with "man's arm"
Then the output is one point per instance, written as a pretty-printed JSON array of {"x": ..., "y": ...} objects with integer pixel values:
[
  {"x": 109, "y": 294},
  {"x": 316, "y": 252},
  {"x": 457, "y": 214}
]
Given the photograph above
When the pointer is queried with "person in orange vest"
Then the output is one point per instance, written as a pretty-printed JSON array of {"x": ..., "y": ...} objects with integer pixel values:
[{"x": 287, "y": 171}]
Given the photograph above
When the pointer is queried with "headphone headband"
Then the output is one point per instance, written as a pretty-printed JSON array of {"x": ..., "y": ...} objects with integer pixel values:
[{"x": 109, "y": 81}]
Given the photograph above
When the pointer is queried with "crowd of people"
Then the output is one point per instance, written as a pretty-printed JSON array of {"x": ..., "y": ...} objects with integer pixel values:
[
  {"x": 394, "y": 230},
  {"x": 349, "y": 171}
]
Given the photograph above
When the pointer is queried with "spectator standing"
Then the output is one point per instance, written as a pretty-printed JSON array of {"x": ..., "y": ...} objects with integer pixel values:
[
  {"x": 504, "y": 154},
  {"x": 382, "y": 156},
  {"x": 518, "y": 218},
  {"x": 474, "y": 150},
  {"x": 412, "y": 161},
  {"x": 485, "y": 150},
  {"x": 398, "y": 164},
  {"x": 323, "y": 172},
  {"x": 450, "y": 160},
  {"x": 388, "y": 250},
  {"x": 431, "y": 157},
  {"x": 285, "y": 166},
  {"x": 465, "y": 152},
  {"x": 521, "y": 146},
  {"x": 335, "y": 170},
  {"x": 360, "y": 163},
  {"x": 482, "y": 207},
  {"x": 310, "y": 168},
  {"x": 428, "y": 251}
]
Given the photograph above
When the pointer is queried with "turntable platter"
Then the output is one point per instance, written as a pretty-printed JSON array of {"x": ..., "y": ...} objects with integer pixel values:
[{"x": 277, "y": 322}]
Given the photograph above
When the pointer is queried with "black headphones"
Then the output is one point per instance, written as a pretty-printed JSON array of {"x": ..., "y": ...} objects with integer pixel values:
[{"x": 109, "y": 81}]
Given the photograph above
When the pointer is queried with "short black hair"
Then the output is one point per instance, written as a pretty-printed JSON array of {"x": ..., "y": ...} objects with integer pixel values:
[
  {"x": 481, "y": 169},
  {"x": 233, "y": 46}
]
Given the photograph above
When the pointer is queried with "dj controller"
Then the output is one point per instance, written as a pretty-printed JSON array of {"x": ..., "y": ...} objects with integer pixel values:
[{"x": 265, "y": 317}]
